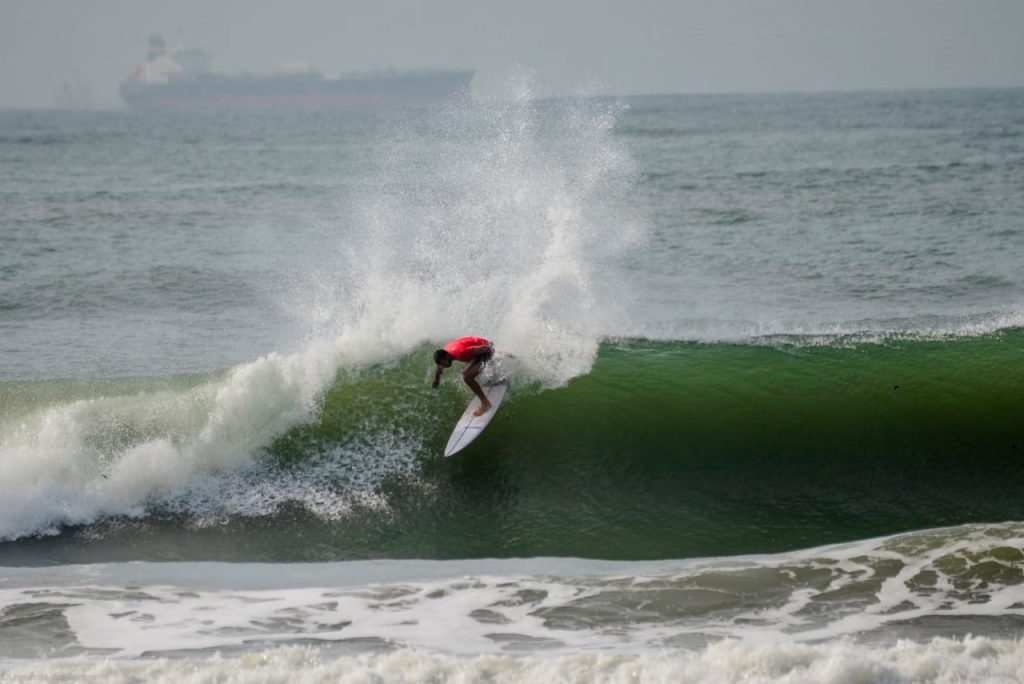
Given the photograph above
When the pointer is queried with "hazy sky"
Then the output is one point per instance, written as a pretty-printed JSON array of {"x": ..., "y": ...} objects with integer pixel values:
[{"x": 634, "y": 46}]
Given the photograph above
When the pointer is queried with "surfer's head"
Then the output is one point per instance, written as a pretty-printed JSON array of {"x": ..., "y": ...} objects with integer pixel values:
[{"x": 443, "y": 358}]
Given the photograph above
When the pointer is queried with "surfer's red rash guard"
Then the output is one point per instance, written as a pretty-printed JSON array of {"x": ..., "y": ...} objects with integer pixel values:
[{"x": 460, "y": 348}]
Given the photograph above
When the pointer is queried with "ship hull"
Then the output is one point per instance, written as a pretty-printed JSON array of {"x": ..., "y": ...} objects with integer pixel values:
[{"x": 213, "y": 91}]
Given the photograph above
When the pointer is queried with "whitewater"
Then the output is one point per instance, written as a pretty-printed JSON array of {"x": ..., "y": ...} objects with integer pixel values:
[{"x": 379, "y": 296}]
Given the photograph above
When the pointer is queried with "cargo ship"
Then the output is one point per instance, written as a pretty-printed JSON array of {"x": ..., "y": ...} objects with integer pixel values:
[{"x": 182, "y": 79}]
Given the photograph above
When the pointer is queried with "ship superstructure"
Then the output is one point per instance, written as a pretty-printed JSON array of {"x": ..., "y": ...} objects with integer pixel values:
[{"x": 182, "y": 78}]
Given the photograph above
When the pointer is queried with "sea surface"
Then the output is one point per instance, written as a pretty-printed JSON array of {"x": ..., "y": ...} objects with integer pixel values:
[{"x": 767, "y": 364}]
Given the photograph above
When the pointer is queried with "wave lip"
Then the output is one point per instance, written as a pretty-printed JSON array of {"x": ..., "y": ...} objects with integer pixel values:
[{"x": 826, "y": 334}]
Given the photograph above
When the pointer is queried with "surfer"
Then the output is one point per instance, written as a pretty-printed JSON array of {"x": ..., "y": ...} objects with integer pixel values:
[{"x": 474, "y": 352}]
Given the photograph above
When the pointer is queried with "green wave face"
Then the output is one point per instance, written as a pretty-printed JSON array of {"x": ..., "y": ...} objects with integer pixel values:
[
  {"x": 664, "y": 450},
  {"x": 673, "y": 450}
]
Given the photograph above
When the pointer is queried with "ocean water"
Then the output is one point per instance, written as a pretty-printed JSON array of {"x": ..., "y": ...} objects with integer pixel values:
[{"x": 767, "y": 356}]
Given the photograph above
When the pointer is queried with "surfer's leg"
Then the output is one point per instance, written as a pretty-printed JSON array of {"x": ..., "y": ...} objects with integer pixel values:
[{"x": 469, "y": 377}]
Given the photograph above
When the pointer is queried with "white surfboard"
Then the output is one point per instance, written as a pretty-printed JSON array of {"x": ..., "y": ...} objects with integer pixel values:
[{"x": 469, "y": 426}]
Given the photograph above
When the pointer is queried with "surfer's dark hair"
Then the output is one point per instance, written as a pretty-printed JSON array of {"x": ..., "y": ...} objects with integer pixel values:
[{"x": 441, "y": 355}]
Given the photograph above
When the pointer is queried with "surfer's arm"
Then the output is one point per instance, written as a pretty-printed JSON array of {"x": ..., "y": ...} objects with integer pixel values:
[{"x": 437, "y": 377}]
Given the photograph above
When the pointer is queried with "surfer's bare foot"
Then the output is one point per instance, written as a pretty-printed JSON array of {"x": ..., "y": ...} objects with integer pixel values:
[{"x": 484, "y": 408}]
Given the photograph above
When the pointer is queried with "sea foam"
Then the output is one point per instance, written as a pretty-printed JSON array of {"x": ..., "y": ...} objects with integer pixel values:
[
  {"x": 934, "y": 583},
  {"x": 899, "y": 608},
  {"x": 973, "y": 659}
]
